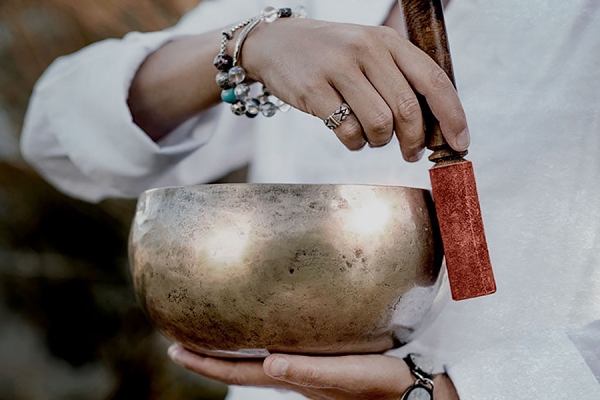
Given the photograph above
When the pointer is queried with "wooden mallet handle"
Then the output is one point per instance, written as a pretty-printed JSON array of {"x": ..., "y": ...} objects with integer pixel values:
[{"x": 426, "y": 29}]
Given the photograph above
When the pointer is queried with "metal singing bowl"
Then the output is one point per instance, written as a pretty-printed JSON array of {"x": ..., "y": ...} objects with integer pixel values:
[{"x": 243, "y": 270}]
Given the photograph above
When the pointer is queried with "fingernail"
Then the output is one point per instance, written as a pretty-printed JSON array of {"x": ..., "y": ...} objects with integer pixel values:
[
  {"x": 463, "y": 140},
  {"x": 362, "y": 146},
  {"x": 417, "y": 156},
  {"x": 174, "y": 352},
  {"x": 278, "y": 367},
  {"x": 374, "y": 146}
]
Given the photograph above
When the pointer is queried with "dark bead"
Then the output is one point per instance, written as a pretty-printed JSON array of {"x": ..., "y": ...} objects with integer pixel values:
[
  {"x": 284, "y": 13},
  {"x": 223, "y": 62},
  {"x": 238, "y": 108}
]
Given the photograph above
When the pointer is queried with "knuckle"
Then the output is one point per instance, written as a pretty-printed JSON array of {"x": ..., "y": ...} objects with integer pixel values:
[
  {"x": 409, "y": 109},
  {"x": 388, "y": 35},
  {"x": 359, "y": 41},
  {"x": 380, "y": 123},
  {"x": 351, "y": 135},
  {"x": 357, "y": 52},
  {"x": 439, "y": 79},
  {"x": 309, "y": 376},
  {"x": 337, "y": 61},
  {"x": 413, "y": 145},
  {"x": 234, "y": 377},
  {"x": 388, "y": 31}
]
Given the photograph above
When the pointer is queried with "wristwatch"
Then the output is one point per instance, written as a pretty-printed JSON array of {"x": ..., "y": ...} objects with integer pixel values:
[{"x": 421, "y": 368}]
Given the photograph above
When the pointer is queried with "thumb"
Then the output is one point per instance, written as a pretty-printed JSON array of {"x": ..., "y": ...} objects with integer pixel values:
[{"x": 364, "y": 373}]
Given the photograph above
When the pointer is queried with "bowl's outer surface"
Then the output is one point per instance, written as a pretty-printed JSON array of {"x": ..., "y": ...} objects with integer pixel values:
[{"x": 247, "y": 269}]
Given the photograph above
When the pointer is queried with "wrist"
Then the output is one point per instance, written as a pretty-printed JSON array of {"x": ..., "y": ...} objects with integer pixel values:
[
  {"x": 235, "y": 79},
  {"x": 444, "y": 388},
  {"x": 254, "y": 56},
  {"x": 254, "y": 60},
  {"x": 427, "y": 385}
]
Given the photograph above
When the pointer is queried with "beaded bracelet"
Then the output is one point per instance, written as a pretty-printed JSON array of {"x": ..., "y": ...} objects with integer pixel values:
[{"x": 231, "y": 76}]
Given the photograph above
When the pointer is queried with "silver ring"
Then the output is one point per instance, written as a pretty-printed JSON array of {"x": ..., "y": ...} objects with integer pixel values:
[{"x": 336, "y": 118}]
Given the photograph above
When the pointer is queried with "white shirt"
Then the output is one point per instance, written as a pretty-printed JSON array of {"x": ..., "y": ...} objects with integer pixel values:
[{"x": 527, "y": 73}]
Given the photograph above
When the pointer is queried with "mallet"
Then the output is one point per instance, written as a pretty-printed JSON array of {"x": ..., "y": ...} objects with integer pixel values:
[{"x": 452, "y": 178}]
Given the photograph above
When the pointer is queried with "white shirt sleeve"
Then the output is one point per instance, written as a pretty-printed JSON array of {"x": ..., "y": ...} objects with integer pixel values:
[
  {"x": 79, "y": 134},
  {"x": 553, "y": 364}
]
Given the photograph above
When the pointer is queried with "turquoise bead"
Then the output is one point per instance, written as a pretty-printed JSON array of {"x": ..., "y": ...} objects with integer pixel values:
[{"x": 228, "y": 96}]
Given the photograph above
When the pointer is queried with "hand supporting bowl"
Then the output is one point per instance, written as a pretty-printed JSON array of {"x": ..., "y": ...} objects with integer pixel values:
[{"x": 243, "y": 270}]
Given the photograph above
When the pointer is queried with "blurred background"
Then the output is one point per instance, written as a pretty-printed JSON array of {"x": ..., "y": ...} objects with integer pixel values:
[{"x": 70, "y": 327}]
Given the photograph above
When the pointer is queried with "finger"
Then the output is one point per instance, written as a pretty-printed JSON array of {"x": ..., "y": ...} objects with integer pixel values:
[
  {"x": 238, "y": 372},
  {"x": 234, "y": 372},
  {"x": 428, "y": 79},
  {"x": 372, "y": 112},
  {"x": 350, "y": 131},
  {"x": 360, "y": 374},
  {"x": 401, "y": 99}
]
